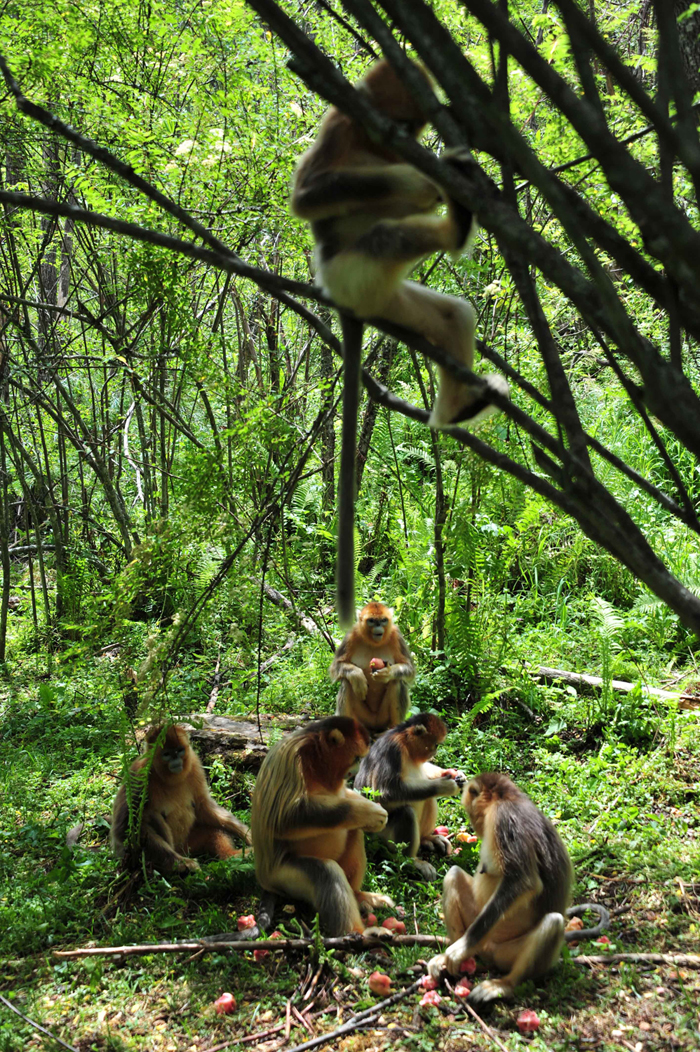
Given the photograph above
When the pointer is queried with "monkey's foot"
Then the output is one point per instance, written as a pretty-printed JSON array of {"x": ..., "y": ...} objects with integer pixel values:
[
  {"x": 368, "y": 901},
  {"x": 436, "y": 844},
  {"x": 465, "y": 406},
  {"x": 374, "y": 933},
  {"x": 489, "y": 991},
  {"x": 425, "y": 870},
  {"x": 186, "y": 865}
]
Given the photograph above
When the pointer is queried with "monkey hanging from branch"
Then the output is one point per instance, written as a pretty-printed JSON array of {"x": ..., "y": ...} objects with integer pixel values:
[{"x": 372, "y": 219}]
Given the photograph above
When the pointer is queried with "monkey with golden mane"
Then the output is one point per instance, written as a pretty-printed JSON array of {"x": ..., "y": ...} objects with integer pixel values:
[
  {"x": 399, "y": 768},
  {"x": 511, "y": 912},
  {"x": 308, "y": 826},
  {"x": 179, "y": 815},
  {"x": 372, "y": 219},
  {"x": 374, "y": 670}
]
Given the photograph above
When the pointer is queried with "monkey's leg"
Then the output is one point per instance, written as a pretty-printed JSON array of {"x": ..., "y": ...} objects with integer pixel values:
[
  {"x": 211, "y": 841},
  {"x": 353, "y": 862},
  {"x": 403, "y": 828},
  {"x": 525, "y": 958},
  {"x": 459, "y": 909},
  {"x": 395, "y": 703},
  {"x": 324, "y": 886},
  {"x": 430, "y": 841},
  {"x": 159, "y": 846},
  {"x": 449, "y": 323}
]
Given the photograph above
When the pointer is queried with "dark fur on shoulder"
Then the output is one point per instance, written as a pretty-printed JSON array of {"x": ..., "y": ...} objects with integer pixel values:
[{"x": 382, "y": 768}]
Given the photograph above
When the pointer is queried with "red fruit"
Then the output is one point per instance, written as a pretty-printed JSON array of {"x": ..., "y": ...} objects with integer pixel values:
[
  {"x": 260, "y": 955},
  {"x": 442, "y": 830},
  {"x": 575, "y": 924},
  {"x": 467, "y": 838},
  {"x": 603, "y": 939},
  {"x": 380, "y": 984},
  {"x": 527, "y": 1022},
  {"x": 449, "y": 772},
  {"x": 375, "y": 664},
  {"x": 428, "y": 983},
  {"x": 370, "y": 921},
  {"x": 431, "y": 997},
  {"x": 246, "y": 922},
  {"x": 277, "y": 935},
  {"x": 468, "y": 967},
  {"x": 225, "y": 1004},
  {"x": 463, "y": 988},
  {"x": 398, "y": 927}
]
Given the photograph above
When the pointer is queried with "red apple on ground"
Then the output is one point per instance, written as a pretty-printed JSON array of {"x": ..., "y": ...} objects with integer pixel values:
[
  {"x": 527, "y": 1022},
  {"x": 380, "y": 984},
  {"x": 225, "y": 1004},
  {"x": 398, "y": 927},
  {"x": 246, "y": 922}
]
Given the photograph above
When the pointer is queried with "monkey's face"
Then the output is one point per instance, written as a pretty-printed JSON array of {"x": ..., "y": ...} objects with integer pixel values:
[
  {"x": 474, "y": 804},
  {"x": 173, "y": 757},
  {"x": 376, "y": 629}
]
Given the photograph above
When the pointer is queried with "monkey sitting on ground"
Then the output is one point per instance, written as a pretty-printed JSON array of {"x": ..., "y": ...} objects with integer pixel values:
[
  {"x": 179, "y": 815},
  {"x": 398, "y": 767},
  {"x": 307, "y": 825},
  {"x": 371, "y": 218},
  {"x": 511, "y": 912},
  {"x": 374, "y": 670}
]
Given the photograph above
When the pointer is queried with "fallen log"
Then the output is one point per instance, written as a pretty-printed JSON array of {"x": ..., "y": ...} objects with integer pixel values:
[{"x": 581, "y": 680}]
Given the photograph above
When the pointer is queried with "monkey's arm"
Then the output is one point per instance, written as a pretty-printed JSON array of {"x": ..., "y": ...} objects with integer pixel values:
[
  {"x": 341, "y": 668},
  {"x": 318, "y": 814},
  {"x": 403, "y": 669},
  {"x": 398, "y": 791},
  {"x": 156, "y": 841},
  {"x": 342, "y": 191},
  {"x": 209, "y": 813}
]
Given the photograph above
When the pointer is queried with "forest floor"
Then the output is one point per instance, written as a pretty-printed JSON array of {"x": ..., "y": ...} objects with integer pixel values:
[{"x": 627, "y": 811}]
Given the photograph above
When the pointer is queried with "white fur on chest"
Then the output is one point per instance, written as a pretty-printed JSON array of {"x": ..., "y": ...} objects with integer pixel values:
[{"x": 363, "y": 655}]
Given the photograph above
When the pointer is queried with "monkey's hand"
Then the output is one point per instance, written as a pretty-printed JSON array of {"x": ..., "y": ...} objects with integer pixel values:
[
  {"x": 459, "y": 777},
  {"x": 373, "y": 817},
  {"x": 357, "y": 681},
  {"x": 447, "y": 787},
  {"x": 437, "y": 966},
  {"x": 384, "y": 675}
]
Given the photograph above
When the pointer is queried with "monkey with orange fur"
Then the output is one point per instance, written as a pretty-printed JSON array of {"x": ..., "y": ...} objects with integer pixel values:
[
  {"x": 398, "y": 767},
  {"x": 377, "y": 698},
  {"x": 308, "y": 826},
  {"x": 371, "y": 216},
  {"x": 179, "y": 815},
  {"x": 511, "y": 912}
]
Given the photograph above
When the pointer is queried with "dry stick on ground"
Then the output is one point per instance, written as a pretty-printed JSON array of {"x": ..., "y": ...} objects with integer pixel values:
[
  {"x": 690, "y": 960},
  {"x": 366, "y": 1018},
  {"x": 487, "y": 1029},
  {"x": 341, "y": 942},
  {"x": 38, "y": 1026}
]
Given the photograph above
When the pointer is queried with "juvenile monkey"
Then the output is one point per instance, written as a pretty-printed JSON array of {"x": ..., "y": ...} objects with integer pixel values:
[
  {"x": 511, "y": 912},
  {"x": 372, "y": 219},
  {"x": 374, "y": 670},
  {"x": 398, "y": 767},
  {"x": 307, "y": 825},
  {"x": 179, "y": 815}
]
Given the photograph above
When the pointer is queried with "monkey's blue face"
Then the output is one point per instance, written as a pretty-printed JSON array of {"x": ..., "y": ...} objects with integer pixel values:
[
  {"x": 175, "y": 759},
  {"x": 377, "y": 627}
]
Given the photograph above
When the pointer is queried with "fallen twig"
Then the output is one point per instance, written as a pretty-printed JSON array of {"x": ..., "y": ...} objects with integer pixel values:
[
  {"x": 37, "y": 1026},
  {"x": 341, "y": 942},
  {"x": 366, "y": 1018},
  {"x": 579, "y": 679},
  {"x": 690, "y": 960},
  {"x": 487, "y": 1029}
]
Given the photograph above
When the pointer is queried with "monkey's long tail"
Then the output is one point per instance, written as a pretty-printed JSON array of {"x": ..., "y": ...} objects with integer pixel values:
[
  {"x": 345, "y": 557},
  {"x": 587, "y": 933}
]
